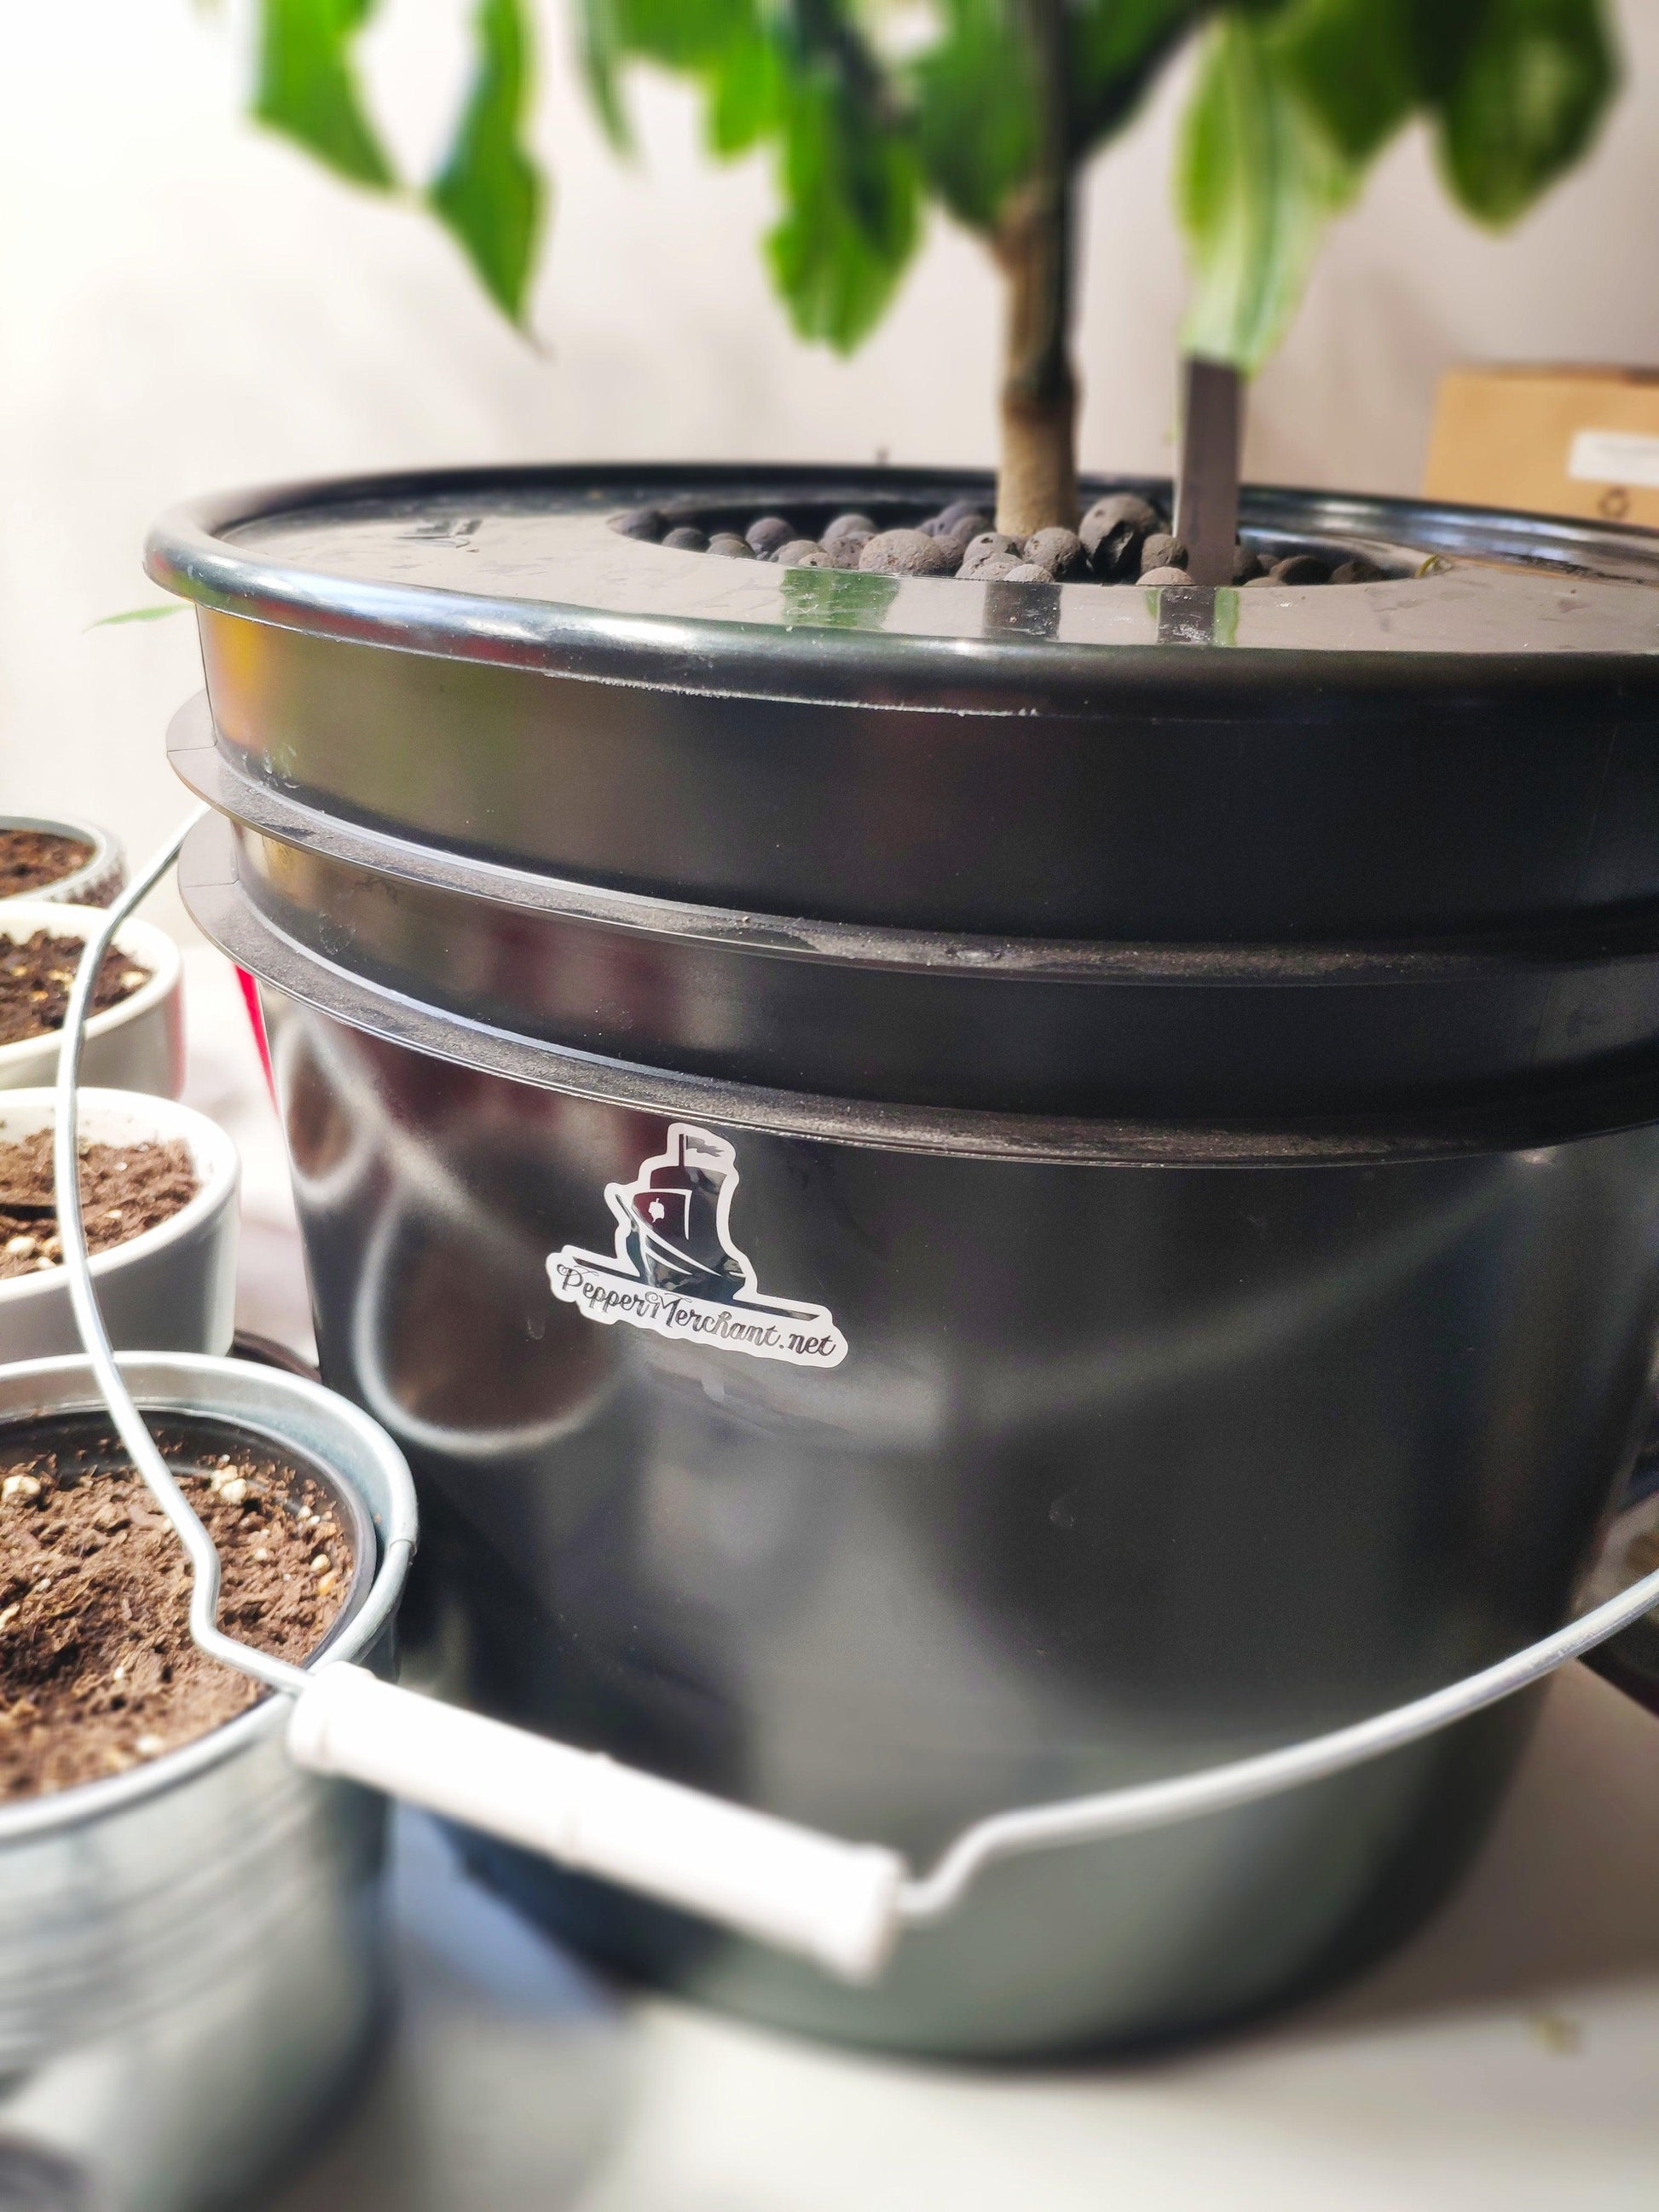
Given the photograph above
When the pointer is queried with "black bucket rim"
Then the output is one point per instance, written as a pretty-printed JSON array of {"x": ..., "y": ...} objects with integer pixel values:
[
  {"x": 1511, "y": 591},
  {"x": 217, "y": 903},
  {"x": 202, "y": 763}
]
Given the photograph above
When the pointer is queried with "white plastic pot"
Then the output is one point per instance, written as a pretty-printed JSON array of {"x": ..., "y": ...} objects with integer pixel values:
[
  {"x": 136, "y": 1045},
  {"x": 171, "y": 1289},
  {"x": 98, "y": 878}
]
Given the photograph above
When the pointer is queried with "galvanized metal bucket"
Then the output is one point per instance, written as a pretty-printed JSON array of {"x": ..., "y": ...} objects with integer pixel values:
[
  {"x": 1151, "y": 1097},
  {"x": 190, "y": 1965}
]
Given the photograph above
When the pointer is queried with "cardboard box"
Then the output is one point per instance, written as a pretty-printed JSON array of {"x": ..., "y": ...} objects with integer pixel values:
[{"x": 1549, "y": 441}]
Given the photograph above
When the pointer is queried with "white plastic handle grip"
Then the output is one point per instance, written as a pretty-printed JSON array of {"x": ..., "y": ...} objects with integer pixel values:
[{"x": 837, "y": 1903}]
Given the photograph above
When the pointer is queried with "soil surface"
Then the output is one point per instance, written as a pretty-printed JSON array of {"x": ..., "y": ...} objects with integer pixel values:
[
  {"x": 97, "y": 1669},
  {"x": 36, "y": 976},
  {"x": 125, "y": 1190},
  {"x": 32, "y": 859}
]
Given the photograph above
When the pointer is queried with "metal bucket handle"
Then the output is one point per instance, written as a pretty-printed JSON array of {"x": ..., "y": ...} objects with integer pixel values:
[{"x": 842, "y": 1905}]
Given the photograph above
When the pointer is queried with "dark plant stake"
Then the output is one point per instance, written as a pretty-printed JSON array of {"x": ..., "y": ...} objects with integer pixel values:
[{"x": 1207, "y": 487}]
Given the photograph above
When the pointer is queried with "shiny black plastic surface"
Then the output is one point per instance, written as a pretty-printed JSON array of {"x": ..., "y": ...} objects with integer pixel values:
[
  {"x": 1126, "y": 1469},
  {"x": 1195, "y": 1046}
]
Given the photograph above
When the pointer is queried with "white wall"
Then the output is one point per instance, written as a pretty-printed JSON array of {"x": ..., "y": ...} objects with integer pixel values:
[{"x": 190, "y": 304}]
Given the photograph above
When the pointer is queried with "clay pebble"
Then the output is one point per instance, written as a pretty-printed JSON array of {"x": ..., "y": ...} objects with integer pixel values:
[
  {"x": 1161, "y": 551},
  {"x": 1112, "y": 532},
  {"x": 769, "y": 535},
  {"x": 904, "y": 553},
  {"x": 957, "y": 542},
  {"x": 1062, "y": 552},
  {"x": 1121, "y": 539},
  {"x": 643, "y": 522},
  {"x": 843, "y": 552},
  {"x": 1300, "y": 568},
  {"x": 988, "y": 546},
  {"x": 1029, "y": 572}
]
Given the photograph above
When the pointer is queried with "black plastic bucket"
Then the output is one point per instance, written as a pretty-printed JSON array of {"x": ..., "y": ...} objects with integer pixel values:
[{"x": 961, "y": 1193}]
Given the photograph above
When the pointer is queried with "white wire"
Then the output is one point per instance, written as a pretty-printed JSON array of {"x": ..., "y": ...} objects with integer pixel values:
[
  {"x": 1215, "y": 1789},
  {"x": 276, "y": 1674}
]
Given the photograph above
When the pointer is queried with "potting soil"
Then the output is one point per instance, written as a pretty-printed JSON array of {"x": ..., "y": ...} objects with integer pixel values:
[
  {"x": 37, "y": 974},
  {"x": 98, "y": 1672},
  {"x": 125, "y": 1190},
  {"x": 30, "y": 860}
]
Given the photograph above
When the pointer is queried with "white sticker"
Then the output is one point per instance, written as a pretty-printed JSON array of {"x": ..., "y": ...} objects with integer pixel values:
[
  {"x": 1614, "y": 457},
  {"x": 676, "y": 1269}
]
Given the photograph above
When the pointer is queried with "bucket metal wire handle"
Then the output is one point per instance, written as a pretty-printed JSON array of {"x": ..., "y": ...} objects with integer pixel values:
[{"x": 842, "y": 1905}]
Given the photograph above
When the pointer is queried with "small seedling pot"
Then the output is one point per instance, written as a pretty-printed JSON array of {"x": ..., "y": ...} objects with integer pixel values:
[
  {"x": 171, "y": 1289},
  {"x": 98, "y": 878},
  {"x": 189, "y": 1963},
  {"x": 136, "y": 1045}
]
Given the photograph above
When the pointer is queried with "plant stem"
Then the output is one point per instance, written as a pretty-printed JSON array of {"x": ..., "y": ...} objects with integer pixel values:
[{"x": 1036, "y": 481}]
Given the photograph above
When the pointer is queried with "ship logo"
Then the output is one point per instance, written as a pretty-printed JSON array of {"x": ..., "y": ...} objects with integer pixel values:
[{"x": 677, "y": 1270}]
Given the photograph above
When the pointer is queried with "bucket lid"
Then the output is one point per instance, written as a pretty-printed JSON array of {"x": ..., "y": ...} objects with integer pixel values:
[{"x": 521, "y": 566}]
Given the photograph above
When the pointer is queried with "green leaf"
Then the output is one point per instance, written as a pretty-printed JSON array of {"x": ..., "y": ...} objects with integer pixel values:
[
  {"x": 836, "y": 599},
  {"x": 684, "y": 34},
  {"x": 850, "y": 187},
  {"x": 745, "y": 95},
  {"x": 1293, "y": 100},
  {"x": 724, "y": 43},
  {"x": 138, "y": 615},
  {"x": 489, "y": 193},
  {"x": 1530, "y": 87},
  {"x": 797, "y": 75},
  {"x": 306, "y": 89},
  {"x": 599, "y": 49},
  {"x": 1258, "y": 179},
  {"x": 1356, "y": 65},
  {"x": 974, "y": 108},
  {"x": 974, "y": 100},
  {"x": 1116, "y": 47}
]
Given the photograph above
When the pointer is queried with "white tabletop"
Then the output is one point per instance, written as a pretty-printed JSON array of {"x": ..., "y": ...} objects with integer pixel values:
[{"x": 1507, "y": 2060}]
